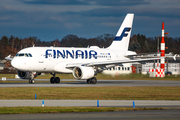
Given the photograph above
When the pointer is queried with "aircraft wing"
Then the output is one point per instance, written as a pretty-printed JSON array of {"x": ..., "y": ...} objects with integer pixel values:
[
  {"x": 111, "y": 63},
  {"x": 142, "y": 55}
]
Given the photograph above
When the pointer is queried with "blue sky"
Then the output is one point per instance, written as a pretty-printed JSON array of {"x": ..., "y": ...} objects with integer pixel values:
[{"x": 53, "y": 19}]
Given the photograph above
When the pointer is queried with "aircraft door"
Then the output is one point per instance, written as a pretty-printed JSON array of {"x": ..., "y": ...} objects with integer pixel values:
[{"x": 40, "y": 56}]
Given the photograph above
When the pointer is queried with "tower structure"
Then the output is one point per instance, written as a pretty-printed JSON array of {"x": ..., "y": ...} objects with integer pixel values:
[{"x": 162, "y": 48}]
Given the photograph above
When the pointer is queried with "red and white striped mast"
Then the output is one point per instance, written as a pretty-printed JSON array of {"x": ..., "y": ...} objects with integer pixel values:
[{"x": 162, "y": 49}]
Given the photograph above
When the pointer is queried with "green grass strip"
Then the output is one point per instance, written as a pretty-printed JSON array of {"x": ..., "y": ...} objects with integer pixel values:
[
  {"x": 92, "y": 93},
  {"x": 28, "y": 110}
]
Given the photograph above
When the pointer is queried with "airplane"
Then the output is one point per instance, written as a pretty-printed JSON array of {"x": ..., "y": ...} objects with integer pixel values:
[{"x": 83, "y": 63}]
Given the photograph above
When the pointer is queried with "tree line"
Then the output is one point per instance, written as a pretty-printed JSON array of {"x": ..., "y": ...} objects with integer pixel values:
[{"x": 138, "y": 43}]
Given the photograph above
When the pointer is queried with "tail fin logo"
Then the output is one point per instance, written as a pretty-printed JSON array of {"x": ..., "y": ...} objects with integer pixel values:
[{"x": 123, "y": 34}]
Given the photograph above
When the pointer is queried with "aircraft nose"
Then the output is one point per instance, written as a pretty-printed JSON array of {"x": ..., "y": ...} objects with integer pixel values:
[{"x": 14, "y": 63}]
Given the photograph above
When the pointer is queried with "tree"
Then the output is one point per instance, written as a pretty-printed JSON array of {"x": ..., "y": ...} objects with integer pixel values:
[{"x": 134, "y": 45}]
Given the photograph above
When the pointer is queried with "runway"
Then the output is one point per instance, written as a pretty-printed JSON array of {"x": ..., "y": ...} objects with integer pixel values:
[
  {"x": 92, "y": 103},
  {"x": 170, "y": 114},
  {"x": 82, "y": 83}
]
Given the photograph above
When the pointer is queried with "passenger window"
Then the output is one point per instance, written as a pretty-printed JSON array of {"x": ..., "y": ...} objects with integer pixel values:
[{"x": 119, "y": 68}]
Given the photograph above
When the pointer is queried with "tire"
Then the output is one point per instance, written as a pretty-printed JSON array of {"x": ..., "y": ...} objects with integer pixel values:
[
  {"x": 32, "y": 81},
  {"x": 57, "y": 80},
  {"x": 93, "y": 80},
  {"x": 89, "y": 81},
  {"x": 52, "y": 80}
]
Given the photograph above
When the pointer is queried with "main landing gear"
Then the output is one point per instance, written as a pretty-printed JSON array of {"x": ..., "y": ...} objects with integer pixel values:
[
  {"x": 54, "y": 79},
  {"x": 92, "y": 81}
]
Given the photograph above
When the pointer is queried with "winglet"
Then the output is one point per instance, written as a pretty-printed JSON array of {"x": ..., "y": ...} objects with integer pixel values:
[
  {"x": 174, "y": 57},
  {"x": 8, "y": 57}
]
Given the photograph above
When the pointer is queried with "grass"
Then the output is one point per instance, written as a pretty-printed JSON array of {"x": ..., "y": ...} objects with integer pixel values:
[
  {"x": 25, "y": 110},
  {"x": 92, "y": 93},
  {"x": 104, "y": 77}
]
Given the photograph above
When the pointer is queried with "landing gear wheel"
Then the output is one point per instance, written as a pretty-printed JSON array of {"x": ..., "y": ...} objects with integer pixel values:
[
  {"x": 57, "y": 80},
  {"x": 93, "y": 80},
  {"x": 52, "y": 80},
  {"x": 32, "y": 81},
  {"x": 32, "y": 76},
  {"x": 89, "y": 81}
]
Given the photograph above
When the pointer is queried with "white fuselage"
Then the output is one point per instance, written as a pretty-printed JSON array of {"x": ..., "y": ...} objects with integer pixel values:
[{"x": 55, "y": 59}]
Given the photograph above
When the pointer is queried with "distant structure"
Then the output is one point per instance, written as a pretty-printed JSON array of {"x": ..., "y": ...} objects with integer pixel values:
[
  {"x": 162, "y": 48},
  {"x": 124, "y": 69},
  {"x": 170, "y": 68},
  {"x": 2, "y": 65}
]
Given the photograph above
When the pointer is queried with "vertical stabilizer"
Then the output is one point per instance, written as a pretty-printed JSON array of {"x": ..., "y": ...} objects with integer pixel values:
[{"x": 121, "y": 41}]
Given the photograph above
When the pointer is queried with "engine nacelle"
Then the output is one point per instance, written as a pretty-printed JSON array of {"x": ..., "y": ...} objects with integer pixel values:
[
  {"x": 27, "y": 75},
  {"x": 23, "y": 75},
  {"x": 82, "y": 72}
]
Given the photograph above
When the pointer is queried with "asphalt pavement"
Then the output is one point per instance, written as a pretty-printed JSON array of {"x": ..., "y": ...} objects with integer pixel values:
[
  {"x": 169, "y": 114},
  {"x": 92, "y": 103},
  {"x": 82, "y": 83}
]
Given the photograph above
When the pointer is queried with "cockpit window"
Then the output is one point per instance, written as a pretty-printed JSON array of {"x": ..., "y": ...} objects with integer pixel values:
[
  {"x": 23, "y": 54},
  {"x": 26, "y": 55},
  {"x": 30, "y": 55}
]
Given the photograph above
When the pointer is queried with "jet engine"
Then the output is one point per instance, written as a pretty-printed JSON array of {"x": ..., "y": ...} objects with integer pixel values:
[
  {"x": 23, "y": 75},
  {"x": 82, "y": 72},
  {"x": 27, "y": 75}
]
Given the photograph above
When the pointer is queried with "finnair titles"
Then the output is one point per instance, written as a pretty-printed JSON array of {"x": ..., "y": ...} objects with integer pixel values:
[{"x": 74, "y": 54}]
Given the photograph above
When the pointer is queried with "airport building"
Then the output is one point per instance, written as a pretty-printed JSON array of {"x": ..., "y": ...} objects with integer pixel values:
[{"x": 124, "y": 69}]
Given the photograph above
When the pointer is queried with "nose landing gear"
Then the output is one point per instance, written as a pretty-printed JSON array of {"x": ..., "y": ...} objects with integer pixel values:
[{"x": 31, "y": 79}]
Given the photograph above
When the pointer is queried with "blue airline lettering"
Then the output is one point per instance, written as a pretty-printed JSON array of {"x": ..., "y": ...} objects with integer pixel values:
[
  {"x": 92, "y": 53},
  {"x": 47, "y": 53},
  {"x": 86, "y": 54},
  {"x": 79, "y": 52},
  {"x": 60, "y": 54},
  {"x": 71, "y": 54},
  {"x": 123, "y": 34},
  {"x": 67, "y": 53},
  {"x": 54, "y": 53}
]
